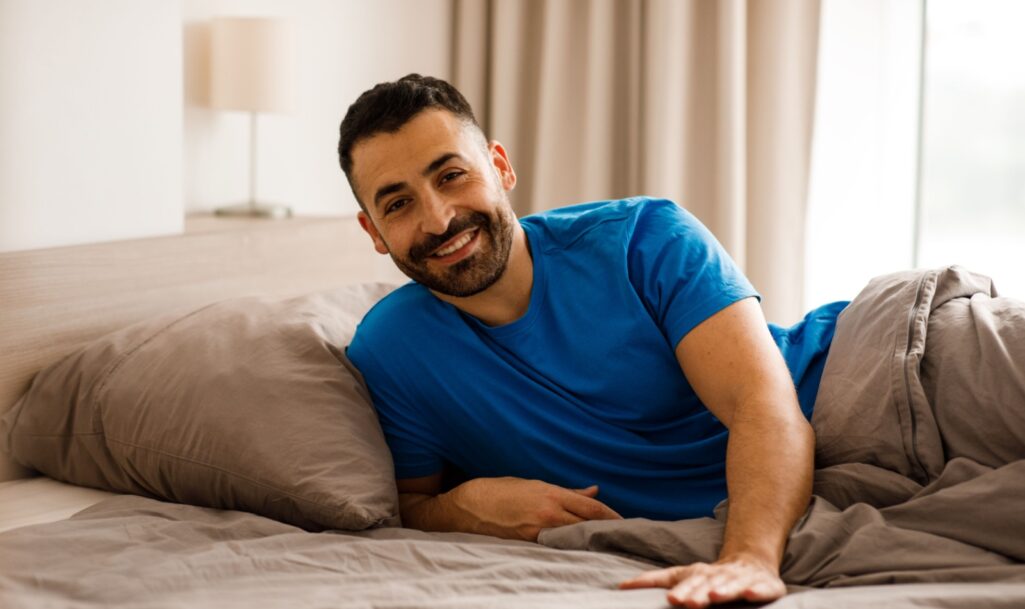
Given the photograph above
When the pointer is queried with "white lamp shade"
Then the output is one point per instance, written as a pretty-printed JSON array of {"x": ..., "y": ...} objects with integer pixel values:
[{"x": 252, "y": 64}]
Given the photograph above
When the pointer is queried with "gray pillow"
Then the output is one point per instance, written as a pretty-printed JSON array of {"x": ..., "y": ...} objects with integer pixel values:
[{"x": 247, "y": 404}]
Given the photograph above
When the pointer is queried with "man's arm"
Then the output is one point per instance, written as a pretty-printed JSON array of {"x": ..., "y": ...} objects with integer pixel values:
[
  {"x": 739, "y": 373},
  {"x": 512, "y": 508}
]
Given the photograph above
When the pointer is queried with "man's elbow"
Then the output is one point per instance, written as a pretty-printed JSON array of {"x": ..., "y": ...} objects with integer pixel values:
[{"x": 411, "y": 509}]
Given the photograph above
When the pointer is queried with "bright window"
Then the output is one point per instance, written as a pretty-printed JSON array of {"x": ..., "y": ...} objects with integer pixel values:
[
  {"x": 973, "y": 145},
  {"x": 893, "y": 187}
]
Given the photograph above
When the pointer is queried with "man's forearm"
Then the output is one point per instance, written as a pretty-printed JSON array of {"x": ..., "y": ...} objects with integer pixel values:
[
  {"x": 508, "y": 507},
  {"x": 769, "y": 468},
  {"x": 434, "y": 513}
]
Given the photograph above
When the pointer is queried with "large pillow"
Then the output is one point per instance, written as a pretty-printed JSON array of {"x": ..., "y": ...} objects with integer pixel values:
[{"x": 247, "y": 404}]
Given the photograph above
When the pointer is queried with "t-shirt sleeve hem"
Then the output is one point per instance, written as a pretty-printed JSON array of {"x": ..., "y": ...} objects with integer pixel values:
[
  {"x": 419, "y": 470},
  {"x": 693, "y": 317}
]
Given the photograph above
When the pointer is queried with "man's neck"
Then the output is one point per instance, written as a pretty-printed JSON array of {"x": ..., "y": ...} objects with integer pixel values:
[{"x": 508, "y": 298}]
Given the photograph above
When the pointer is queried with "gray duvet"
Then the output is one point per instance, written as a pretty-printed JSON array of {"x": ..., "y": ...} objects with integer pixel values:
[{"x": 919, "y": 502}]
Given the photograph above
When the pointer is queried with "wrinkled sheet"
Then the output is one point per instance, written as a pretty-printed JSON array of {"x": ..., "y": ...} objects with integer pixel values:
[
  {"x": 137, "y": 552},
  {"x": 142, "y": 553},
  {"x": 919, "y": 502}
]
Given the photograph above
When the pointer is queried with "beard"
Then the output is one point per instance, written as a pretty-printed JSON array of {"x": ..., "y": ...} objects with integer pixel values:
[{"x": 473, "y": 274}]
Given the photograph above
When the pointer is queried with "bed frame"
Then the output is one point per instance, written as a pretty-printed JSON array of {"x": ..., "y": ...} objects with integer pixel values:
[{"x": 52, "y": 301}]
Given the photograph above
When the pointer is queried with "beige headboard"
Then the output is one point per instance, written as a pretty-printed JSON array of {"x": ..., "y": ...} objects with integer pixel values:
[{"x": 54, "y": 300}]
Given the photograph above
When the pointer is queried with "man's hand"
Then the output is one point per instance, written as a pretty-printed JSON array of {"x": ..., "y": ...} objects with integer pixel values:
[
  {"x": 700, "y": 584},
  {"x": 515, "y": 508}
]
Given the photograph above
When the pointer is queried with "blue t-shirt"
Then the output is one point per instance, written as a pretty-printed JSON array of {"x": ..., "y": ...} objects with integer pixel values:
[{"x": 585, "y": 387}]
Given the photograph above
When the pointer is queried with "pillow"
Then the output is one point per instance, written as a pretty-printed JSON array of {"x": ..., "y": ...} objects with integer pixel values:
[{"x": 247, "y": 404}]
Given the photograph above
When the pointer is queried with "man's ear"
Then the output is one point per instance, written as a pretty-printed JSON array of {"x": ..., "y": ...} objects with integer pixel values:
[
  {"x": 368, "y": 226},
  {"x": 500, "y": 160}
]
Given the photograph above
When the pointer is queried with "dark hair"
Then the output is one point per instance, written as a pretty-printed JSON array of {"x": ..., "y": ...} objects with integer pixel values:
[{"x": 389, "y": 106}]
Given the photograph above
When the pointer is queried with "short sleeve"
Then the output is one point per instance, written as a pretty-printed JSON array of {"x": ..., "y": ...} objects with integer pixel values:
[
  {"x": 680, "y": 270},
  {"x": 406, "y": 434}
]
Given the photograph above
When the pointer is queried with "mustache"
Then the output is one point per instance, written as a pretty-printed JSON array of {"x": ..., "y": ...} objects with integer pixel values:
[{"x": 476, "y": 219}]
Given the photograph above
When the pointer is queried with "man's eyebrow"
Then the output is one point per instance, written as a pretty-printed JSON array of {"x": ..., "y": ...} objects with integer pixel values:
[
  {"x": 441, "y": 160},
  {"x": 388, "y": 189}
]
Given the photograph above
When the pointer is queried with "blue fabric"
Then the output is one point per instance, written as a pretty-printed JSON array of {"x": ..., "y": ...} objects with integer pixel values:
[{"x": 584, "y": 388}]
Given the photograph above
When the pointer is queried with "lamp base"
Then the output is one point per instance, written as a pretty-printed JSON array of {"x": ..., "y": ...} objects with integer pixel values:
[{"x": 255, "y": 210}]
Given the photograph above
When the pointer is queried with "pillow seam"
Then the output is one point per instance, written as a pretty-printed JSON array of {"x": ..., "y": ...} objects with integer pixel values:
[
  {"x": 60, "y": 435},
  {"x": 101, "y": 385},
  {"x": 265, "y": 485}
]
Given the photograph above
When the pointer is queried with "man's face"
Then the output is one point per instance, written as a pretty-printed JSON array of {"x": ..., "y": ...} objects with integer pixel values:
[{"x": 436, "y": 200}]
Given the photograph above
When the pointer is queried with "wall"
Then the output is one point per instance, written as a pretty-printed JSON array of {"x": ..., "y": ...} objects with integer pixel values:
[
  {"x": 343, "y": 49},
  {"x": 90, "y": 121},
  {"x": 104, "y": 129}
]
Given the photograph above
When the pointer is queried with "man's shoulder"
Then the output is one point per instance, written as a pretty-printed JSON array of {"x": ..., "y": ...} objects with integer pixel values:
[
  {"x": 599, "y": 211},
  {"x": 403, "y": 308},
  {"x": 565, "y": 225}
]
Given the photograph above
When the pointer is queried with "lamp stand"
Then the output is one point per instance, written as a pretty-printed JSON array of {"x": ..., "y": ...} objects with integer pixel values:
[{"x": 253, "y": 209}]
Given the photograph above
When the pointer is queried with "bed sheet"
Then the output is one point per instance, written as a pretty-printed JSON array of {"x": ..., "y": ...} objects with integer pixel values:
[
  {"x": 43, "y": 499},
  {"x": 136, "y": 552}
]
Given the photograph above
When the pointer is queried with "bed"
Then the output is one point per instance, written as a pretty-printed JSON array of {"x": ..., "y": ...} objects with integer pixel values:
[{"x": 152, "y": 532}]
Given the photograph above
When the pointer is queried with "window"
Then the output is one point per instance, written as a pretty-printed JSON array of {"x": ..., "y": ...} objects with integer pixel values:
[
  {"x": 973, "y": 145},
  {"x": 918, "y": 158}
]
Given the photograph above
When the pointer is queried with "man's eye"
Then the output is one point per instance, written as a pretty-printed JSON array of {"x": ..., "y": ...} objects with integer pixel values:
[
  {"x": 451, "y": 176},
  {"x": 395, "y": 206}
]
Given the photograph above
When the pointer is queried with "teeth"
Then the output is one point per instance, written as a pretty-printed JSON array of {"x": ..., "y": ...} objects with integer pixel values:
[{"x": 455, "y": 246}]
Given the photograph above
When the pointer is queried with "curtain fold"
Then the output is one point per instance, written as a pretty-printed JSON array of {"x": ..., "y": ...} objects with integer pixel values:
[{"x": 706, "y": 102}]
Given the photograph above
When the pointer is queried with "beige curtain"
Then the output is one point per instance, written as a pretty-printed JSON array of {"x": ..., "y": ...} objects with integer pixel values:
[{"x": 706, "y": 102}]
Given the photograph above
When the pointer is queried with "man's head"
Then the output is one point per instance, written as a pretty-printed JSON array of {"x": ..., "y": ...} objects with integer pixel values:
[
  {"x": 432, "y": 189},
  {"x": 390, "y": 105}
]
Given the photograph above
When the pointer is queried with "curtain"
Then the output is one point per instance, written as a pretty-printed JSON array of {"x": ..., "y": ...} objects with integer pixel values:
[{"x": 706, "y": 102}]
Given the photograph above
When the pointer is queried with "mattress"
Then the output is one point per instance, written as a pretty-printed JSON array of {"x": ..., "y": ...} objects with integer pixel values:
[{"x": 42, "y": 499}]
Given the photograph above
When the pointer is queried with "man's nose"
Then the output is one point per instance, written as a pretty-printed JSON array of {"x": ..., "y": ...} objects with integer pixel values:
[{"x": 437, "y": 214}]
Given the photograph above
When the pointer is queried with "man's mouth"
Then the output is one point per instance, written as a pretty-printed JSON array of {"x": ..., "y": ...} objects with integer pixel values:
[{"x": 457, "y": 247}]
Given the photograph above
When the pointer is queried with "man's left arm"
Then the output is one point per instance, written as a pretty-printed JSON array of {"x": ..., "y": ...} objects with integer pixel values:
[{"x": 739, "y": 373}]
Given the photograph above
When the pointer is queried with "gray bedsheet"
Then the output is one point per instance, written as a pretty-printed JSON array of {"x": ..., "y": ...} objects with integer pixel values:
[
  {"x": 142, "y": 553},
  {"x": 919, "y": 502}
]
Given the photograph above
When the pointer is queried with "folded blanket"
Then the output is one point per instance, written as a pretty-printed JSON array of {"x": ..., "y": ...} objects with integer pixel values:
[{"x": 924, "y": 363}]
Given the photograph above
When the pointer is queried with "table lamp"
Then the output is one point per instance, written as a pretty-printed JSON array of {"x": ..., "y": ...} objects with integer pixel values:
[{"x": 252, "y": 70}]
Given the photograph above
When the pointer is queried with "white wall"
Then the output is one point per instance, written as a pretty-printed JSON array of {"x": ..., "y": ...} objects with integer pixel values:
[
  {"x": 90, "y": 121},
  {"x": 104, "y": 128},
  {"x": 344, "y": 48}
]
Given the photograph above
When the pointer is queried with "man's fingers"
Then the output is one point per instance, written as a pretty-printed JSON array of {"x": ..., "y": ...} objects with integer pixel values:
[
  {"x": 588, "y": 508},
  {"x": 569, "y": 518},
  {"x": 700, "y": 585},
  {"x": 582, "y": 503},
  {"x": 698, "y": 592},
  {"x": 660, "y": 578},
  {"x": 703, "y": 589}
]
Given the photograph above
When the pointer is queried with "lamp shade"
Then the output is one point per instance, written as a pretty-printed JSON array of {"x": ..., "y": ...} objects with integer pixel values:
[{"x": 252, "y": 64}]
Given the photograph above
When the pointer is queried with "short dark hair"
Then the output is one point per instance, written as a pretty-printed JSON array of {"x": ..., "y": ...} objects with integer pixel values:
[{"x": 389, "y": 106}]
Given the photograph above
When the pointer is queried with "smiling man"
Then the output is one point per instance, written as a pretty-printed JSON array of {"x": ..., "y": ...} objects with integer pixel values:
[{"x": 609, "y": 349}]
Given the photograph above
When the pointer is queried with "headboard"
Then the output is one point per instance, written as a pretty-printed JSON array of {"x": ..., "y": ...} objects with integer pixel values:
[{"x": 54, "y": 300}]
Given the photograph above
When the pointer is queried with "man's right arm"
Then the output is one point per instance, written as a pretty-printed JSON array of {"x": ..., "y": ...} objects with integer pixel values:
[{"x": 512, "y": 508}]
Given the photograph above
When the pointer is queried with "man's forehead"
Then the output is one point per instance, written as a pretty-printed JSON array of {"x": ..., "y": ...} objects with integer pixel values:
[{"x": 387, "y": 157}]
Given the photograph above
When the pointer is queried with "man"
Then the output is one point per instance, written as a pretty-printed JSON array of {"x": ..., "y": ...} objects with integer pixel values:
[{"x": 613, "y": 343}]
